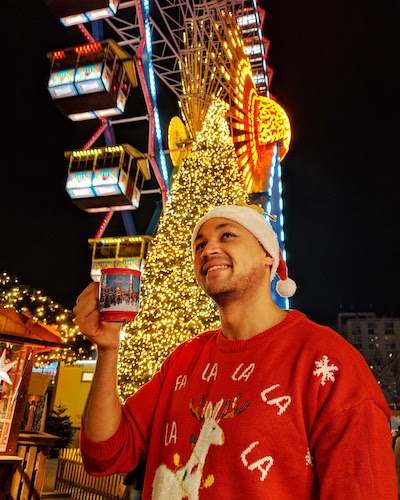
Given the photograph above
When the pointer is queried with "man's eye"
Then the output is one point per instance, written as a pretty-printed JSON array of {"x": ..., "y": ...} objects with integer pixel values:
[
  {"x": 228, "y": 235},
  {"x": 200, "y": 246}
]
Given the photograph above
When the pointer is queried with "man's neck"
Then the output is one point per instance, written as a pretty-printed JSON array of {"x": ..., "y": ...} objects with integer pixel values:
[{"x": 241, "y": 322}]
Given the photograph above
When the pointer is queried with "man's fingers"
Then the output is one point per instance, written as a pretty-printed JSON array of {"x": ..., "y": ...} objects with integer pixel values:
[{"x": 87, "y": 300}]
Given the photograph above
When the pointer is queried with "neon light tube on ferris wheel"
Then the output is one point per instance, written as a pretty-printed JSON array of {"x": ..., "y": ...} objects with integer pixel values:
[
  {"x": 153, "y": 93},
  {"x": 251, "y": 26}
]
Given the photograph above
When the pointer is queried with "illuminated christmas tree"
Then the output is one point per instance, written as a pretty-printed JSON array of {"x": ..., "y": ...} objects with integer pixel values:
[{"x": 173, "y": 308}]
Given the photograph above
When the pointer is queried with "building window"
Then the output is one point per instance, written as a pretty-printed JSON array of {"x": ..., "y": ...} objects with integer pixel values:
[{"x": 87, "y": 376}]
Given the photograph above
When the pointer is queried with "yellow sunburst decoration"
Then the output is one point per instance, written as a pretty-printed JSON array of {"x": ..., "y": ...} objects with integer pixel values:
[
  {"x": 216, "y": 64},
  {"x": 259, "y": 124},
  {"x": 178, "y": 141}
]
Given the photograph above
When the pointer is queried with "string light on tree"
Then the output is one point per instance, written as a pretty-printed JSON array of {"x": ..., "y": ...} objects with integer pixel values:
[
  {"x": 173, "y": 308},
  {"x": 25, "y": 299}
]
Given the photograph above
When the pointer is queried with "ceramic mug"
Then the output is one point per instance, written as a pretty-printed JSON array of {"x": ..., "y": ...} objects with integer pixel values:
[{"x": 119, "y": 294}]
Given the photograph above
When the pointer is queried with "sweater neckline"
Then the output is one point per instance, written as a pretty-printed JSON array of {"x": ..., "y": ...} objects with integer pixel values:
[{"x": 226, "y": 345}]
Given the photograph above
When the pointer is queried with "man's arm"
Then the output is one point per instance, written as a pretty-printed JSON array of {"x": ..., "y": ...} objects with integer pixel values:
[
  {"x": 102, "y": 413},
  {"x": 354, "y": 457}
]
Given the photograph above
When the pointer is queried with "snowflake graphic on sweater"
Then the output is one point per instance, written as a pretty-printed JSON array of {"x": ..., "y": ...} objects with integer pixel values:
[{"x": 325, "y": 370}]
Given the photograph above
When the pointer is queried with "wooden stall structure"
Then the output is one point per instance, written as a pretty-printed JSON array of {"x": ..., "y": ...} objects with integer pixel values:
[
  {"x": 23, "y": 456},
  {"x": 28, "y": 478},
  {"x": 73, "y": 479}
]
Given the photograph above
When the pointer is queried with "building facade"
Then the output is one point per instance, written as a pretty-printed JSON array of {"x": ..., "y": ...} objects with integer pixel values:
[{"x": 378, "y": 340}]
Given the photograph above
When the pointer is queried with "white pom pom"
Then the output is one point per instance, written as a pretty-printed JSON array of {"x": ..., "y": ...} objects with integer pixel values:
[{"x": 286, "y": 288}]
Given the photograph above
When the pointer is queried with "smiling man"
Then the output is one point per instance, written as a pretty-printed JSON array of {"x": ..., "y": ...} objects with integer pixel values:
[
  {"x": 270, "y": 405},
  {"x": 235, "y": 259}
]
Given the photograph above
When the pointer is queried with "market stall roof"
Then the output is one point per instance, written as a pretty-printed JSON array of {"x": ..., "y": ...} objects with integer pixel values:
[{"x": 20, "y": 328}]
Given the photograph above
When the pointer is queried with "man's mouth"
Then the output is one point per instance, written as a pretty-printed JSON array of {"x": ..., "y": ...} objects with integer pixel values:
[{"x": 214, "y": 268}]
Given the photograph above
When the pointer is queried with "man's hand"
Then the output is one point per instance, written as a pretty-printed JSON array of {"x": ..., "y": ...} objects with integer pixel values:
[{"x": 104, "y": 334}]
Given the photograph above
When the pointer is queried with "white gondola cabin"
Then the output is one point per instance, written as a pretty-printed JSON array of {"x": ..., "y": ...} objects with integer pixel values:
[
  {"x": 91, "y": 81},
  {"x": 125, "y": 251},
  {"x": 108, "y": 177}
]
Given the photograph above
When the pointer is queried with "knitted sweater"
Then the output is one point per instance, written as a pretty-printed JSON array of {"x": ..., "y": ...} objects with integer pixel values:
[{"x": 292, "y": 413}]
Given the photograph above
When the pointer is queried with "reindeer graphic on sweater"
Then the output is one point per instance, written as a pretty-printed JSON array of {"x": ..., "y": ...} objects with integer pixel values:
[{"x": 185, "y": 482}]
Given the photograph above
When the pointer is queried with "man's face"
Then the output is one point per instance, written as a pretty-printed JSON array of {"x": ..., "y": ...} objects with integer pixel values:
[{"x": 229, "y": 262}]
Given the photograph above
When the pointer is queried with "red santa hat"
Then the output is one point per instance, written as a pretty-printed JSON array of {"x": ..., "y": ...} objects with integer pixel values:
[
  {"x": 254, "y": 219},
  {"x": 285, "y": 287}
]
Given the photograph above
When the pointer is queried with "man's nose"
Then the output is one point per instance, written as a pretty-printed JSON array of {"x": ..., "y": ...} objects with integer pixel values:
[{"x": 210, "y": 248}]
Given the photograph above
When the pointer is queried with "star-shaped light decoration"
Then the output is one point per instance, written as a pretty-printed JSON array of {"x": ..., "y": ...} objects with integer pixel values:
[{"x": 5, "y": 367}]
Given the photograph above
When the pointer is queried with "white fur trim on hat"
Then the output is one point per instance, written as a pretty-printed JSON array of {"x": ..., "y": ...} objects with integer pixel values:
[
  {"x": 285, "y": 287},
  {"x": 260, "y": 227}
]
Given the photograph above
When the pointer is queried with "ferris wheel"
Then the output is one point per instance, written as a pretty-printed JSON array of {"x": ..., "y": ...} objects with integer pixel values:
[{"x": 198, "y": 50}]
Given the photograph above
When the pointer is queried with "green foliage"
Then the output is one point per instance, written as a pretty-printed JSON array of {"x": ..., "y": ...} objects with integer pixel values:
[{"x": 60, "y": 425}]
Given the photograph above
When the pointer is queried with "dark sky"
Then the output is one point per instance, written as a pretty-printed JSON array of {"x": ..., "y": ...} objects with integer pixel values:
[{"x": 335, "y": 68}]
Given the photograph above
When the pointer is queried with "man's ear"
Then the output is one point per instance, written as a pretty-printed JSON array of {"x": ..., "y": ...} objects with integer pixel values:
[{"x": 268, "y": 260}]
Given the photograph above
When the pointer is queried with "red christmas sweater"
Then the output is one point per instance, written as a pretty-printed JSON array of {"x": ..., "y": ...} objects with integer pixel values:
[{"x": 292, "y": 413}]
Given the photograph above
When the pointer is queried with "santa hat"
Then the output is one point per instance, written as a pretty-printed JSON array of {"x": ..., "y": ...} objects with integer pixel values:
[{"x": 252, "y": 217}]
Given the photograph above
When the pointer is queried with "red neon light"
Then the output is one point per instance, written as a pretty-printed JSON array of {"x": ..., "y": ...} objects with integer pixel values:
[
  {"x": 88, "y": 49},
  {"x": 97, "y": 134},
  {"x": 86, "y": 33},
  {"x": 104, "y": 224},
  {"x": 59, "y": 54}
]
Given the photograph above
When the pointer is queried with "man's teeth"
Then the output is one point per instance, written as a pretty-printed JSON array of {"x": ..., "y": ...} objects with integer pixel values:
[{"x": 213, "y": 268}]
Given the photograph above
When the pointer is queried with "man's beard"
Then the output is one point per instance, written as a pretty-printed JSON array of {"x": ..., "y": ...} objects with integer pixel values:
[
  {"x": 234, "y": 289},
  {"x": 222, "y": 297}
]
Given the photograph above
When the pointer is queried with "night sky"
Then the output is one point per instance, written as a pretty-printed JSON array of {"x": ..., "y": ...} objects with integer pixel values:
[{"x": 335, "y": 68}]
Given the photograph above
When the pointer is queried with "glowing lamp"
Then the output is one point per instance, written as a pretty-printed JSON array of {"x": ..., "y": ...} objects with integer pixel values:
[
  {"x": 72, "y": 12},
  {"x": 246, "y": 20},
  {"x": 61, "y": 84},
  {"x": 78, "y": 117},
  {"x": 79, "y": 185},
  {"x": 73, "y": 20}
]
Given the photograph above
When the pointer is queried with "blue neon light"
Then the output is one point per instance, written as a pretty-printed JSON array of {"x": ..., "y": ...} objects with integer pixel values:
[
  {"x": 153, "y": 93},
  {"x": 275, "y": 206}
]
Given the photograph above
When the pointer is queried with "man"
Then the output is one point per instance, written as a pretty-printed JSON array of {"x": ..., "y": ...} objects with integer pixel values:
[{"x": 271, "y": 405}]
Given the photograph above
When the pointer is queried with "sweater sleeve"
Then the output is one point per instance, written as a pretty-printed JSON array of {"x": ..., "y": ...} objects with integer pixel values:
[
  {"x": 353, "y": 455},
  {"x": 122, "y": 451},
  {"x": 128, "y": 445}
]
